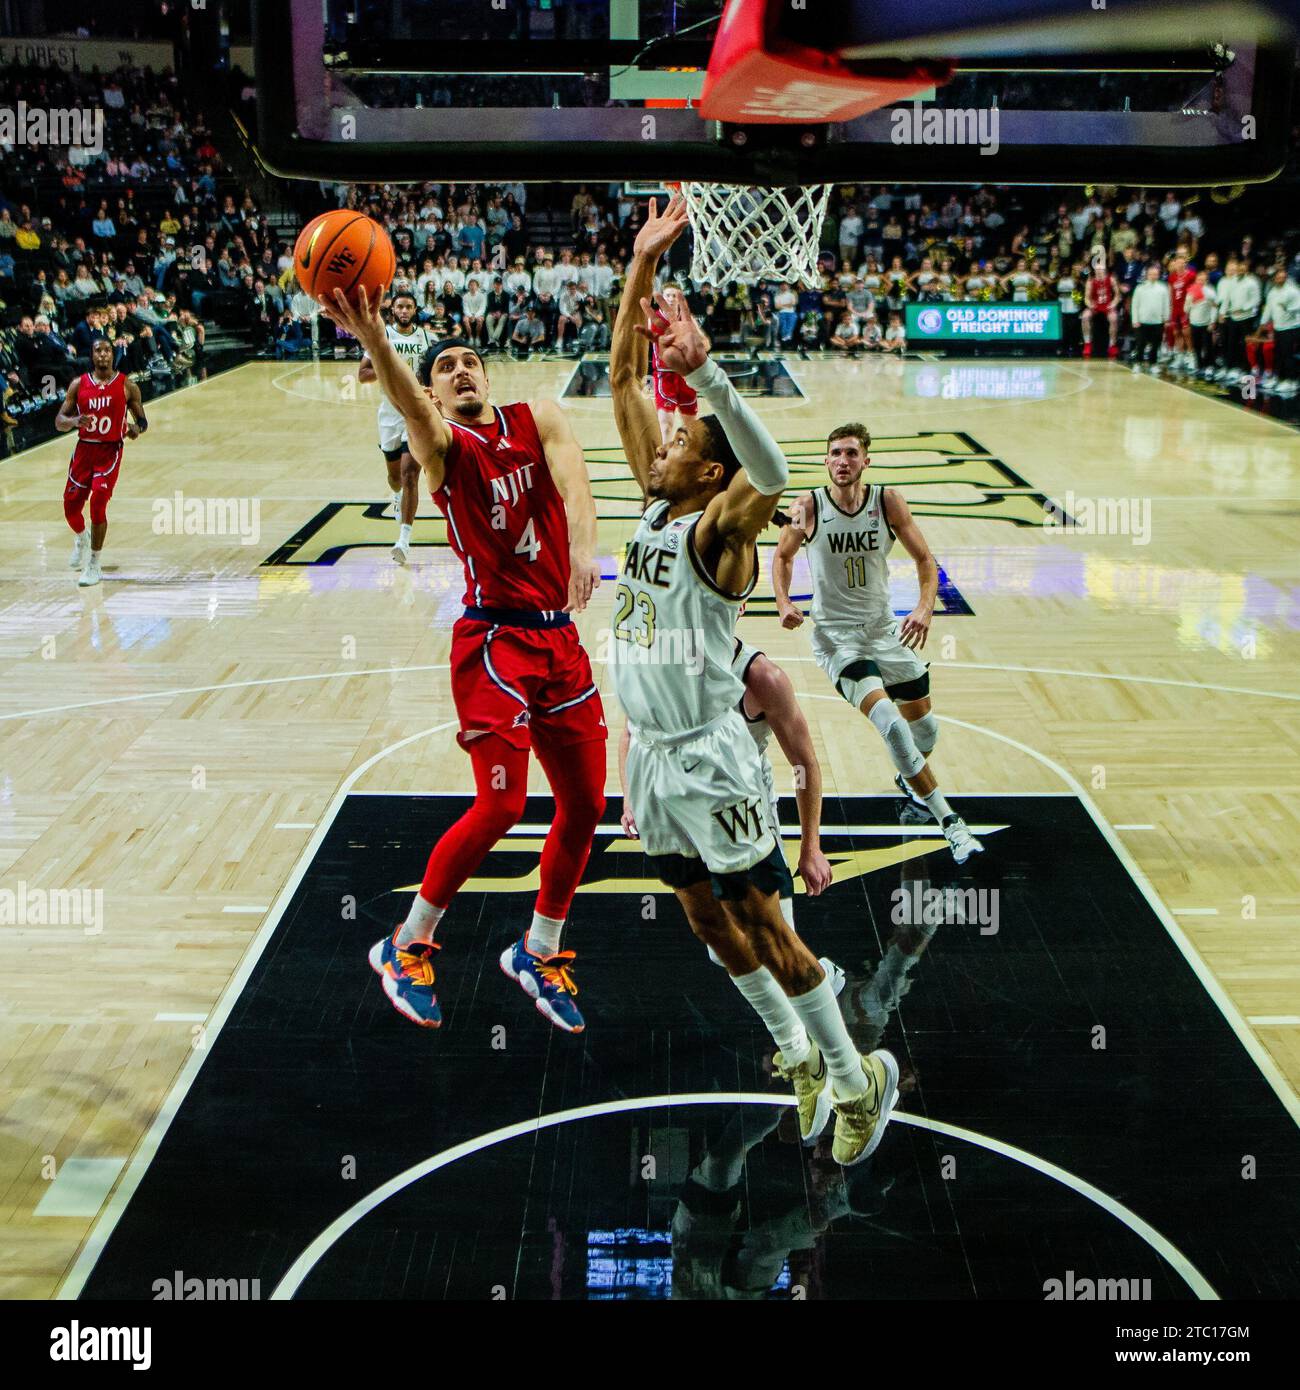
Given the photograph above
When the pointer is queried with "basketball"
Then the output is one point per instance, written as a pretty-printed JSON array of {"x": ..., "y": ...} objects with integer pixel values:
[{"x": 344, "y": 250}]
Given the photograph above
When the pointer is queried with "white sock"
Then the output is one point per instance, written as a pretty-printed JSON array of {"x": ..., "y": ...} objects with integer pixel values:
[
  {"x": 543, "y": 937},
  {"x": 939, "y": 808},
  {"x": 819, "y": 1013},
  {"x": 771, "y": 1005},
  {"x": 397, "y": 503},
  {"x": 404, "y": 535},
  {"x": 421, "y": 922}
]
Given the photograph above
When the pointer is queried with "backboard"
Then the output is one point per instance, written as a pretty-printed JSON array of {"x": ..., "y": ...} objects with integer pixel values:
[{"x": 610, "y": 90}]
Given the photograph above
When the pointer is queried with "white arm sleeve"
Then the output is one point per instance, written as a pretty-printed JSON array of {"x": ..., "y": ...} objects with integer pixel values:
[{"x": 759, "y": 454}]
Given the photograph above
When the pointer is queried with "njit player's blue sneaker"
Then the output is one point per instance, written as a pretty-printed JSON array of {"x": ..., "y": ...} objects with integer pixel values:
[
  {"x": 406, "y": 973},
  {"x": 547, "y": 981}
]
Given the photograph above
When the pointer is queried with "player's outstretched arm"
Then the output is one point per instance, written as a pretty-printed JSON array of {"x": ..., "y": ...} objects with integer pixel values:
[
  {"x": 916, "y": 626},
  {"x": 573, "y": 482},
  {"x": 792, "y": 537},
  {"x": 738, "y": 514},
  {"x": 770, "y": 689},
  {"x": 426, "y": 431},
  {"x": 638, "y": 425},
  {"x": 69, "y": 417}
]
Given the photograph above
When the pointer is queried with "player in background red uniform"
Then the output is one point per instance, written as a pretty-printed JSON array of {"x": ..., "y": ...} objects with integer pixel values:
[
  {"x": 95, "y": 406},
  {"x": 672, "y": 395},
  {"x": 1178, "y": 331},
  {"x": 514, "y": 488},
  {"x": 1101, "y": 296}
]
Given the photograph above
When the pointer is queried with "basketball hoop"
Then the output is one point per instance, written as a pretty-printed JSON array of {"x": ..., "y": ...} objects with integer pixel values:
[{"x": 749, "y": 233}]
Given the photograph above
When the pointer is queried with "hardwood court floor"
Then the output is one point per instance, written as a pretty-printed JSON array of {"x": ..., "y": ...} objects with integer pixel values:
[{"x": 173, "y": 737}]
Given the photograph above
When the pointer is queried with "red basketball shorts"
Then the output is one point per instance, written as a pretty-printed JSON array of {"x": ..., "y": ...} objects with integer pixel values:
[
  {"x": 524, "y": 684},
  {"x": 95, "y": 466},
  {"x": 672, "y": 393}
]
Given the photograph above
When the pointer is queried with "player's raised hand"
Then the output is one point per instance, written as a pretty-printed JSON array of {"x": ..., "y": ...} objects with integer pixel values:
[
  {"x": 915, "y": 628},
  {"x": 658, "y": 233},
  {"x": 584, "y": 580},
  {"x": 360, "y": 319},
  {"x": 683, "y": 345}
]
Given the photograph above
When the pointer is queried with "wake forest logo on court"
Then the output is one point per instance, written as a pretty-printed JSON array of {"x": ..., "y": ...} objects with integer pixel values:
[{"x": 944, "y": 473}]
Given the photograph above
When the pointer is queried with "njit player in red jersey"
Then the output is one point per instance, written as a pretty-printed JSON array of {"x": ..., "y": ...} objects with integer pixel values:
[
  {"x": 95, "y": 406},
  {"x": 513, "y": 486},
  {"x": 1101, "y": 296},
  {"x": 1178, "y": 331},
  {"x": 672, "y": 395}
]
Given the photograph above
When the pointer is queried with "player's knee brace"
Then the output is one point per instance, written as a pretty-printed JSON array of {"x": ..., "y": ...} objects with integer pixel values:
[
  {"x": 893, "y": 728},
  {"x": 857, "y": 680},
  {"x": 925, "y": 732}
]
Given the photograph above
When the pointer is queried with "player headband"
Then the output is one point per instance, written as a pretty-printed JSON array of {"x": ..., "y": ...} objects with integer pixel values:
[{"x": 425, "y": 373}]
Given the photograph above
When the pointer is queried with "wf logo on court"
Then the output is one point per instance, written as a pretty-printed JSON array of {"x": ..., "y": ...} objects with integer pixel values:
[{"x": 179, "y": 515}]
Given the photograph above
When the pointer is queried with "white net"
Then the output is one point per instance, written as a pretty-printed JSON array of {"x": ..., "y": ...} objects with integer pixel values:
[{"x": 748, "y": 234}]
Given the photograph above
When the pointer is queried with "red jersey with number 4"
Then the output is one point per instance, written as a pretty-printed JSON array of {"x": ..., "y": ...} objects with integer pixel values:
[
  {"x": 505, "y": 517},
  {"x": 102, "y": 407}
]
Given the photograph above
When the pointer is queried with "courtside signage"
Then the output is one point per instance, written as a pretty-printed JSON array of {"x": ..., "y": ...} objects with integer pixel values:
[{"x": 983, "y": 322}]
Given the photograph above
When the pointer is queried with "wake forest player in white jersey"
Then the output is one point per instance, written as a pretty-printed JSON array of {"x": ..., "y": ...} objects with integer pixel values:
[
  {"x": 411, "y": 342},
  {"x": 694, "y": 775},
  {"x": 848, "y": 530}
]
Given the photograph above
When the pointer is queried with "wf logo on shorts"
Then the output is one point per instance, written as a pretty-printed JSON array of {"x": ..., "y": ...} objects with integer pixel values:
[{"x": 743, "y": 822}]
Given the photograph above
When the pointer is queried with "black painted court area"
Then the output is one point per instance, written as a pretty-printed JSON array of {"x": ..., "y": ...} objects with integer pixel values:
[{"x": 316, "y": 1092}]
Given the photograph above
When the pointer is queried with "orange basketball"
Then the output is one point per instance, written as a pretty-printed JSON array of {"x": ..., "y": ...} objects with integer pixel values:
[{"x": 344, "y": 250}]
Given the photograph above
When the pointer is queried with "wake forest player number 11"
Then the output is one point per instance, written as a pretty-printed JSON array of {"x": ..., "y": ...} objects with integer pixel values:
[{"x": 410, "y": 341}]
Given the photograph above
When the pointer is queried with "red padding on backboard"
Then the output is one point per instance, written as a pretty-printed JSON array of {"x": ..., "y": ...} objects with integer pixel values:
[{"x": 755, "y": 78}]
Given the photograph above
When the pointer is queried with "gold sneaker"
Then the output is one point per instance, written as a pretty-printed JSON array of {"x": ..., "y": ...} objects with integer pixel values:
[
  {"x": 812, "y": 1090},
  {"x": 860, "y": 1123}
]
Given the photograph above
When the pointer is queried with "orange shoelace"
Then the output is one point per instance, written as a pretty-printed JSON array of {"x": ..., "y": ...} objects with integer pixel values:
[
  {"x": 417, "y": 966},
  {"x": 555, "y": 971}
]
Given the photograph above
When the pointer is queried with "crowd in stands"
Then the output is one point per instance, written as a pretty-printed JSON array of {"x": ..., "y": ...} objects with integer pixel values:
[
  {"x": 139, "y": 238},
  {"x": 1132, "y": 271}
]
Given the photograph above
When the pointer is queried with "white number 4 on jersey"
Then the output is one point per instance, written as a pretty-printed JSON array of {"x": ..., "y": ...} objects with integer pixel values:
[{"x": 528, "y": 543}]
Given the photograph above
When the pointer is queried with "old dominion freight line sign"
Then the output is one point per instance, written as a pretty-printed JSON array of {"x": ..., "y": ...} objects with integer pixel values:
[{"x": 983, "y": 323}]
